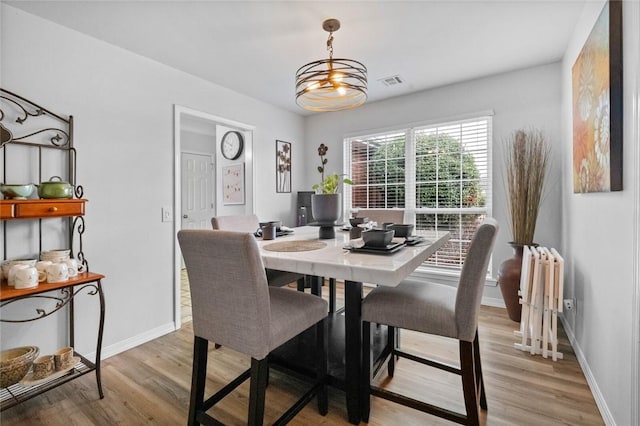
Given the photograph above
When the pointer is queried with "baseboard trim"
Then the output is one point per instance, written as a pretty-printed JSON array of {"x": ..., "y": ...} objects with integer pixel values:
[
  {"x": 607, "y": 417},
  {"x": 494, "y": 302},
  {"x": 132, "y": 342}
]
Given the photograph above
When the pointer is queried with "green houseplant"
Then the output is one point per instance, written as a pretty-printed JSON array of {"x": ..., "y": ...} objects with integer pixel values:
[
  {"x": 526, "y": 163},
  {"x": 331, "y": 183}
]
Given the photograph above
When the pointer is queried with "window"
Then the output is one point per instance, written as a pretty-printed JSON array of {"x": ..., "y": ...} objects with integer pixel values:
[{"x": 439, "y": 174}]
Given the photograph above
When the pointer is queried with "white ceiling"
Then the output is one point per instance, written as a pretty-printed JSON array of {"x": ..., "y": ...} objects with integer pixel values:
[{"x": 256, "y": 47}]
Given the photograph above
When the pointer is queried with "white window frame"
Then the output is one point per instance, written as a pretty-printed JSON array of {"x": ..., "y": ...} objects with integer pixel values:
[{"x": 448, "y": 275}]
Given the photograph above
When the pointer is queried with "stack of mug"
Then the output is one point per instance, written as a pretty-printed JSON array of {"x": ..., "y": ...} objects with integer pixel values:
[
  {"x": 45, "y": 365},
  {"x": 55, "y": 266}
]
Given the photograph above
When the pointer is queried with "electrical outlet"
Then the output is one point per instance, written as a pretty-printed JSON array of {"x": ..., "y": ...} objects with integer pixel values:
[
  {"x": 569, "y": 304},
  {"x": 167, "y": 214}
]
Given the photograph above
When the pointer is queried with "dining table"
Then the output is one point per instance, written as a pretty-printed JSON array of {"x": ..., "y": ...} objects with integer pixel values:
[{"x": 302, "y": 251}]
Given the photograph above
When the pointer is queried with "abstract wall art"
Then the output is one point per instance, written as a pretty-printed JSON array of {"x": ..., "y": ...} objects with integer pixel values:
[{"x": 597, "y": 106}]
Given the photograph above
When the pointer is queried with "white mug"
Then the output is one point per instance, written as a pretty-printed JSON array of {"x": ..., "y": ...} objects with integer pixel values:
[
  {"x": 12, "y": 273},
  {"x": 28, "y": 277},
  {"x": 43, "y": 265},
  {"x": 6, "y": 266},
  {"x": 5, "y": 269},
  {"x": 58, "y": 272},
  {"x": 74, "y": 267}
]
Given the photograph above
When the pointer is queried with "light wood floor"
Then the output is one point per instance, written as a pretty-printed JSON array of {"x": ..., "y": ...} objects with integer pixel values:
[{"x": 150, "y": 385}]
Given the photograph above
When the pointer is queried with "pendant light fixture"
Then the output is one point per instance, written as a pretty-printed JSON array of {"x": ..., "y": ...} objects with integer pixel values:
[{"x": 331, "y": 84}]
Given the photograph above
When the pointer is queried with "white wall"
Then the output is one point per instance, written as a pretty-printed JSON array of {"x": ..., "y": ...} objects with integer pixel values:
[
  {"x": 525, "y": 98},
  {"x": 198, "y": 142},
  {"x": 599, "y": 241},
  {"x": 123, "y": 107}
]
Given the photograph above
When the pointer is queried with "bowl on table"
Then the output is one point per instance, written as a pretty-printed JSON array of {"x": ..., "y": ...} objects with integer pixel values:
[
  {"x": 402, "y": 230},
  {"x": 378, "y": 237},
  {"x": 355, "y": 221},
  {"x": 15, "y": 363}
]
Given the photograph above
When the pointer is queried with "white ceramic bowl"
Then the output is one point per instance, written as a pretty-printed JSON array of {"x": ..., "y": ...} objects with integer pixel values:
[
  {"x": 56, "y": 256},
  {"x": 7, "y": 264}
]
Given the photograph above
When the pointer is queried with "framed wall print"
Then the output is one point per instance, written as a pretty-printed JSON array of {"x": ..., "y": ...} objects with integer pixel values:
[
  {"x": 283, "y": 166},
  {"x": 597, "y": 106},
  {"x": 233, "y": 184}
]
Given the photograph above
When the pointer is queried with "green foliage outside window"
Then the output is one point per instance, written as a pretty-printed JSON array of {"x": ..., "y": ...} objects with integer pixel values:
[{"x": 446, "y": 175}]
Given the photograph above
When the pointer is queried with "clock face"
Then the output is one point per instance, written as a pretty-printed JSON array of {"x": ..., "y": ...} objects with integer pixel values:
[{"x": 232, "y": 145}]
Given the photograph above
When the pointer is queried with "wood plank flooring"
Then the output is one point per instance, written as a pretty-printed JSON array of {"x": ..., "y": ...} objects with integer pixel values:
[{"x": 150, "y": 385}]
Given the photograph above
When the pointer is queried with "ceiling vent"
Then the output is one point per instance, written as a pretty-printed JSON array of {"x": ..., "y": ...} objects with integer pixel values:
[{"x": 392, "y": 81}]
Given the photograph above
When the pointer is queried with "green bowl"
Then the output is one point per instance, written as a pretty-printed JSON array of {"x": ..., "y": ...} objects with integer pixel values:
[
  {"x": 55, "y": 189},
  {"x": 16, "y": 191}
]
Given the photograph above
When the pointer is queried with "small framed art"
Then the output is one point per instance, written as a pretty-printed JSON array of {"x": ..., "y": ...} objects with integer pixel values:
[
  {"x": 283, "y": 166},
  {"x": 233, "y": 184}
]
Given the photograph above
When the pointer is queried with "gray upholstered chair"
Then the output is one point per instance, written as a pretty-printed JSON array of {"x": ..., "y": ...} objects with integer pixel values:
[
  {"x": 234, "y": 306},
  {"x": 381, "y": 216},
  {"x": 434, "y": 309},
  {"x": 250, "y": 223}
]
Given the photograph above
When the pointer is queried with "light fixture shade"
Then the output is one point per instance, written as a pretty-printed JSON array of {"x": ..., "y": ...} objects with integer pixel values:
[{"x": 331, "y": 84}]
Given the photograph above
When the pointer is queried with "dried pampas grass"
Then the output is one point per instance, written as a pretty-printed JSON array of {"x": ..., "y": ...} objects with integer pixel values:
[{"x": 527, "y": 157}]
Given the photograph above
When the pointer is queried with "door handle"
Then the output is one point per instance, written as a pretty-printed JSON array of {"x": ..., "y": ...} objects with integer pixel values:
[{"x": 185, "y": 216}]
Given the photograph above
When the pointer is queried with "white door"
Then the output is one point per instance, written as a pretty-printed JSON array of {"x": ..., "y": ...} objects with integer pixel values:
[{"x": 197, "y": 188}]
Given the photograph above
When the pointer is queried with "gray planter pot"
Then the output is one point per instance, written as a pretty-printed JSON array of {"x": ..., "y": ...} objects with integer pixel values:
[{"x": 326, "y": 208}]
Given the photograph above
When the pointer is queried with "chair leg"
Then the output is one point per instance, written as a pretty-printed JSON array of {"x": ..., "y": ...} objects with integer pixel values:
[
  {"x": 198, "y": 378},
  {"x": 479, "y": 378},
  {"x": 391, "y": 346},
  {"x": 469, "y": 385},
  {"x": 322, "y": 345},
  {"x": 257, "y": 390},
  {"x": 365, "y": 382}
]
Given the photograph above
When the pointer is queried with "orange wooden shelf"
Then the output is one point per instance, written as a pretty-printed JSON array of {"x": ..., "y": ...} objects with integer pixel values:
[
  {"x": 40, "y": 209},
  {"x": 8, "y": 293}
]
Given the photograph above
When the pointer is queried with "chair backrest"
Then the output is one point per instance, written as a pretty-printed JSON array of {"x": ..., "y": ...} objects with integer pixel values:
[
  {"x": 472, "y": 279},
  {"x": 229, "y": 292},
  {"x": 240, "y": 223},
  {"x": 381, "y": 215}
]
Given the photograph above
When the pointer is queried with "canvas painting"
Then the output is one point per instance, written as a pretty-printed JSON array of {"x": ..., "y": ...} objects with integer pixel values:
[{"x": 597, "y": 106}]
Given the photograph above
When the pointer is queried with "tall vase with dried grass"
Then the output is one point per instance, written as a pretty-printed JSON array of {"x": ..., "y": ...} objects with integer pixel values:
[{"x": 526, "y": 164}]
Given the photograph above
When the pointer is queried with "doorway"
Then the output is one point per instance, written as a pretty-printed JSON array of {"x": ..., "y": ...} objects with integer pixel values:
[
  {"x": 198, "y": 190},
  {"x": 202, "y": 162}
]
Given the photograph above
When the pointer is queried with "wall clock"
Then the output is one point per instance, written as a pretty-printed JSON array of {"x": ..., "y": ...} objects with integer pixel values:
[{"x": 232, "y": 145}]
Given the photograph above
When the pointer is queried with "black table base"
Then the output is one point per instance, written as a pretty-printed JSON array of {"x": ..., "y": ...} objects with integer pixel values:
[{"x": 297, "y": 355}]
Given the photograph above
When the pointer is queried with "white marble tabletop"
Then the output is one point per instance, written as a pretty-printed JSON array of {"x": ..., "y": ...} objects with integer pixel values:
[{"x": 336, "y": 262}]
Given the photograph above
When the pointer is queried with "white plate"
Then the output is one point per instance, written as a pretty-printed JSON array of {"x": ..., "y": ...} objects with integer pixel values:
[{"x": 29, "y": 381}]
